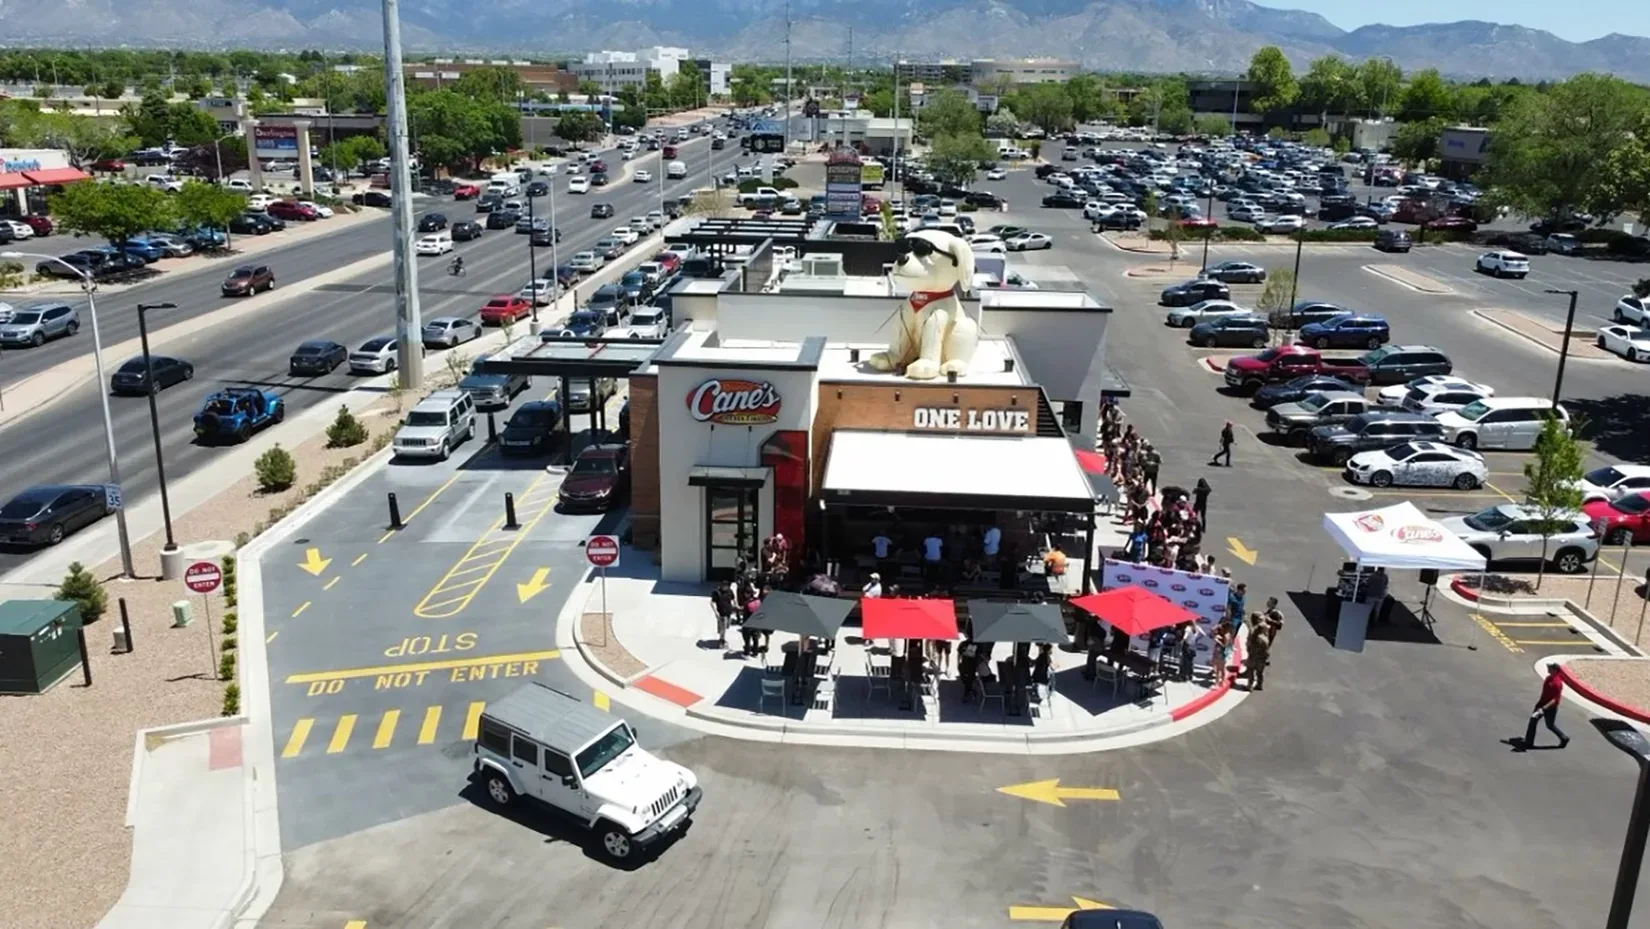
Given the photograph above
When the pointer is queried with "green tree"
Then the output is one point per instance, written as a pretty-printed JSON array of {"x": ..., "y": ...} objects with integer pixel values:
[
  {"x": 492, "y": 83},
  {"x": 1380, "y": 82},
  {"x": 149, "y": 120},
  {"x": 955, "y": 158},
  {"x": 1316, "y": 136},
  {"x": 1418, "y": 142},
  {"x": 83, "y": 139},
  {"x": 948, "y": 113},
  {"x": 1273, "y": 302},
  {"x": 1273, "y": 79},
  {"x": 1087, "y": 93},
  {"x": 194, "y": 86},
  {"x": 1330, "y": 85},
  {"x": 455, "y": 131},
  {"x": 1552, "y": 154},
  {"x": 111, "y": 211},
  {"x": 83, "y": 587},
  {"x": 751, "y": 90},
  {"x": 687, "y": 87},
  {"x": 346, "y": 431},
  {"x": 200, "y": 204},
  {"x": 1174, "y": 234},
  {"x": 1002, "y": 124},
  {"x": 1208, "y": 124},
  {"x": 880, "y": 102},
  {"x": 579, "y": 127},
  {"x": 354, "y": 151},
  {"x": 1425, "y": 96},
  {"x": 1553, "y": 481},
  {"x": 1045, "y": 106}
]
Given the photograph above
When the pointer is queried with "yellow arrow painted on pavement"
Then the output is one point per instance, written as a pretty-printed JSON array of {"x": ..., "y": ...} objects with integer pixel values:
[
  {"x": 1053, "y": 914},
  {"x": 539, "y": 584},
  {"x": 1240, "y": 551},
  {"x": 313, "y": 562},
  {"x": 1053, "y": 794}
]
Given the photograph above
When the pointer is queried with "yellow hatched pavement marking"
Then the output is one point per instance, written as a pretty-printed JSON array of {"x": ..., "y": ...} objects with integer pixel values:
[
  {"x": 356, "y": 924},
  {"x": 386, "y": 729},
  {"x": 603, "y": 702},
  {"x": 432, "y": 719},
  {"x": 341, "y": 734},
  {"x": 470, "y": 574},
  {"x": 295, "y": 741}
]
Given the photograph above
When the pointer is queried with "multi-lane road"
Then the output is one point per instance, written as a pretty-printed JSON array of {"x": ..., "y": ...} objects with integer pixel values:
[{"x": 63, "y": 442}]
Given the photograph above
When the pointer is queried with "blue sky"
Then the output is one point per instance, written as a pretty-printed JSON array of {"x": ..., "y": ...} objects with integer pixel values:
[{"x": 1577, "y": 20}]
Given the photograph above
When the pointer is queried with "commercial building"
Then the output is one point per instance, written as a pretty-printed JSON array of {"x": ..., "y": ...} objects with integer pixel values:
[
  {"x": 26, "y": 174},
  {"x": 942, "y": 72},
  {"x": 614, "y": 71},
  {"x": 538, "y": 78},
  {"x": 987, "y": 73},
  {"x": 759, "y": 413},
  {"x": 717, "y": 75},
  {"x": 863, "y": 132}
]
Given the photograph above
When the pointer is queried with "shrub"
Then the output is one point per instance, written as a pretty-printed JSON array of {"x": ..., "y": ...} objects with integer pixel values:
[
  {"x": 12, "y": 275},
  {"x": 229, "y": 643},
  {"x": 276, "y": 470},
  {"x": 226, "y": 666},
  {"x": 232, "y": 700},
  {"x": 83, "y": 587},
  {"x": 346, "y": 431},
  {"x": 231, "y": 621},
  {"x": 242, "y": 538}
]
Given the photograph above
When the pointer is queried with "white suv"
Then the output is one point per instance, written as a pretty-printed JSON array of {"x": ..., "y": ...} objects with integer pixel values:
[
  {"x": 437, "y": 424},
  {"x": 1504, "y": 264},
  {"x": 1510, "y": 532},
  {"x": 1631, "y": 309},
  {"x": 1498, "y": 422},
  {"x": 543, "y": 745}
]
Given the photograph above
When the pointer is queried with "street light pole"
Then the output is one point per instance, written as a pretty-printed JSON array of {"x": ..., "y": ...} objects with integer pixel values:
[
  {"x": 532, "y": 257},
  {"x": 1295, "y": 281},
  {"x": 555, "y": 253},
  {"x": 171, "y": 559},
  {"x": 1209, "y": 231},
  {"x": 90, "y": 287},
  {"x": 1623, "y": 736},
  {"x": 1564, "y": 350}
]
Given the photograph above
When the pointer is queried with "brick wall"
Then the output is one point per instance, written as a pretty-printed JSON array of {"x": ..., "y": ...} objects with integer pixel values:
[{"x": 644, "y": 461}]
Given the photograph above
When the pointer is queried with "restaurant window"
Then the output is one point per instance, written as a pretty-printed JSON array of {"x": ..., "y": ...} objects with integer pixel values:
[{"x": 730, "y": 529}]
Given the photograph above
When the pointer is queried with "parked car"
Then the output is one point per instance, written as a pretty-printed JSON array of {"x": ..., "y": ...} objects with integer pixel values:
[
  {"x": 1235, "y": 331},
  {"x": 1432, "y": 399},
  {"x": 466, "y": 230},
  {"x": 234, "y": 413},
  {"x": 1394, "y": 364},
  {"x": 1612, "y": 481},
  {"x": 1563, "y": 243},
  {"x": 1185, "y": 317},
  {"x": 1451, "y": 224},
  {"x": 1503, "y": 264},
  {"x": 1295, "y": 421},
  {"x": 1280, "y": 225},
  {"x": 49, "y": 513},
  {"x": 288, "y": 209},
  {"x": 599, "y": 480},
  {"x": 371, "y": 198},
  {"x": 1499, "y": 422},
  {"x": 374, "y": 356},
  {"x": 448, "y": 331},
  {"x": 579, "y": 391},
  {"x": 1194, "y": 291},
  {"x": 492, "y": 390},
  {"x": 505, "y": 309},
  {"x": 132, "y": 377},
  {"x": 1029, "y": 241},
  {"x": 1368, "y": 431},
  {"x": 1419, "y": 464},
  {"x": 1352, "y": 330},
  {"x": 466, "y": 191},
  {"x": 1625, "y": 518},
  {"x": 1284, "y": 362},
  {"x": 435, "y": 425},
  {"x": 531, "y": 429},
  {"x": 1630, "y": 342},
  {"x": 316, "y": 356},
  {"x": 1513, "y": 533},
  {"x": 1393, "y": 240},
  {"x": 1236, "y": 272},
  {"x": 432, "y": 222},
  {"x": 434, "y": 244},
  {"x": 252, "y": 224},
  {"x": 248, "y": 280},
  {"x": 34, "y": 325},
  {"x": 1296, "y": 389},
  {"x": 1395, "y": 395}
]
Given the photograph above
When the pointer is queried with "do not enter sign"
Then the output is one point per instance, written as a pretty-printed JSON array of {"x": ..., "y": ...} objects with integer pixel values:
[
  {"x": 202, "y": 577},
  {"x": 602, "y": 551}
]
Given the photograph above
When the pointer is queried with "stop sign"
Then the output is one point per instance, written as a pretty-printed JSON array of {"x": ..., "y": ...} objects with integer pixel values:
[
  {"x": 202, "y": 577},
  {"x": 602, "y": 551}
]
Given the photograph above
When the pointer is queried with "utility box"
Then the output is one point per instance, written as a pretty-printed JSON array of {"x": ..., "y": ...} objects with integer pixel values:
[{"x": 38, "y": 644}]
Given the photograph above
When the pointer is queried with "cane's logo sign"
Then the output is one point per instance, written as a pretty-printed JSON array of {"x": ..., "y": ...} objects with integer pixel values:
[
  {"x": 1177, "y": 588},
  {"x": 1125, "y": 578},
  {"x": 1205, "y": 591},
  {"x": 1370, "y": 522},
  {"x": 1150, "y": 583},
  {"x": 1417, "y": 535},
  {"x": 1189, "y": 604},
  {"x": 734, "y": 402}
]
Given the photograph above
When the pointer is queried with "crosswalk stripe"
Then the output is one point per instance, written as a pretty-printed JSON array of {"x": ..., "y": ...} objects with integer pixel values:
[
  {"x": 295, "y": 742},
  {"x": 386, "y": 729},
  {"x": 426, "y": 732},
  {"x": 341, "y": 733},
  {"x": 356, "y": 924},
  {"x": 472, "y": 719}
]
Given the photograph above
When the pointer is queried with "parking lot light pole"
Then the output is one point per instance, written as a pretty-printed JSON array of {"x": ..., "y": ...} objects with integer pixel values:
[
  {"x": 532, "y": 258},
  {"x": 555, "y": 253},
  {"x": 171, "y": 559},
  {"x": 1564, "y": 350},
  {"x": 1208, "y": 231},
  {"x": 90, "y": 287},
  {"x": 1623, "y": 736},
  {"x": 1295, "y": 281}
]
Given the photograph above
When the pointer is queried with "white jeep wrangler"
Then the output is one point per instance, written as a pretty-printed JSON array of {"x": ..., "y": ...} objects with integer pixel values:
[{"x": 544, "y": 745}]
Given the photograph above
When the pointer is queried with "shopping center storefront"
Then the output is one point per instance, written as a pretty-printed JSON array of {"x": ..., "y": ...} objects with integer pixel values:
[
  {"x": 744, "y": 426},
  {"x": 27, "y": 173}
]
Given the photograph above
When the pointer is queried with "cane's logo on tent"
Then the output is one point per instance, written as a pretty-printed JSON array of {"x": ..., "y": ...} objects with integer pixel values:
[
  {"x": 734, "y": 402},
  {"x": 1370, "y": 522},
  {"x": 1205, "y": 591},
  {"x": 1149, "y": 582},
  {"x": 1189, "y": 604},
  {"x": 1417, "y": 535},
  {"x": 1177, "y": 588},
  {"x": 1125, "y": 578}
]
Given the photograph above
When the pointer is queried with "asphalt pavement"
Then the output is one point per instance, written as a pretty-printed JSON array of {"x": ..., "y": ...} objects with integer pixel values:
[{"x": 63, "y": 442}]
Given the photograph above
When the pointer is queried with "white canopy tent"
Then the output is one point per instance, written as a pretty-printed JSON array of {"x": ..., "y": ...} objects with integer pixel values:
[{"x": 1397, "y": 537}]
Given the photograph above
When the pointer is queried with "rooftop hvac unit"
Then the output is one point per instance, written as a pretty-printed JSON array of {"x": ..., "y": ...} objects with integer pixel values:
[{"x": 822, "y": 265}]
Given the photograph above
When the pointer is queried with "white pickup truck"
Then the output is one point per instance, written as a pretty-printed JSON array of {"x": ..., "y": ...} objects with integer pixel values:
[{"x": 759, "y": 195}]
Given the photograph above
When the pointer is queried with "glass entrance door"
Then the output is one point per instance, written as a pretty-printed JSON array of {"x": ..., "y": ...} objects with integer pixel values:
[{"x": 730, "y": 529}]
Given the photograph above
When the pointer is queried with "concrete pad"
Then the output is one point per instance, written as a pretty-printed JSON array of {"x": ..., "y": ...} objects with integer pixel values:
[
  {"x": 1404, "y": 277},
  {"x": 1544, "y": 333}
]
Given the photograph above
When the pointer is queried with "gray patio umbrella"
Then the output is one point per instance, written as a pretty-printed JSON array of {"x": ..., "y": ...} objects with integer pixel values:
[
  {"x": 1000, "y": 621},
  {"x": 783, "y": 611}
]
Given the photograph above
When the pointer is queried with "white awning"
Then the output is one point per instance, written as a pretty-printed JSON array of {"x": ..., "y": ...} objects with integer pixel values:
[
  {"x": 1400, "y": 537},
  {"x": 962, "y": 471}
]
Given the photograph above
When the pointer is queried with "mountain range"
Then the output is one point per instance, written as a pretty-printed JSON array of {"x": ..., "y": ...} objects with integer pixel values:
[{"x": 1198, "y": 36}]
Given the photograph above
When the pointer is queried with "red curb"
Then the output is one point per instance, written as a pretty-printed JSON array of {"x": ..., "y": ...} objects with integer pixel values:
[
  {"x": 223, "y": 748},
  {"x": 1614, "y": 706},
  {"x": 1201, "y": 703},
  {"x": 1213, "y": 364},
  {"x": 1462, "y": 590},
  {"x": 680, "y": 696}
]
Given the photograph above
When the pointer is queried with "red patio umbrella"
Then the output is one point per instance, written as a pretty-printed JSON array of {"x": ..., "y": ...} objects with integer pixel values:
[
  {"x": 903, "y": 618},
  {"x": 1135, "y": 610}
]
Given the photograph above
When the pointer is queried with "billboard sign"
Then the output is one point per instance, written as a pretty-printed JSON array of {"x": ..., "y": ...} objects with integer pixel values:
[
  {"x": 843, "y": 185},
  {"x": 275, "y": 141}
]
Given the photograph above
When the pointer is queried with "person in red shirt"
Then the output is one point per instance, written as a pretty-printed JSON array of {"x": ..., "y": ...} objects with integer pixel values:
[{"x": 1546, "y": 708}]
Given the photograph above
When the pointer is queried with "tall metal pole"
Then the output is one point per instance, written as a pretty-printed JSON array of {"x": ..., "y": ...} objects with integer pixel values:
[
  {"x": 532, "y": 256},
  {"x": 1631, "y": 741},
  {"x": 555, "y": 253},
  {"x": 893, "y": 169},
  {"x": 1235, "y": 86},
  {"x": 1295, "y": 282},
  {"x": 1208, "y": 233},
  {"x": 154, "y": 423},
  {"x": 787, "y": 77},
  {"x": 408, "y": 320},
  {"x": 1564, "y": 350}
]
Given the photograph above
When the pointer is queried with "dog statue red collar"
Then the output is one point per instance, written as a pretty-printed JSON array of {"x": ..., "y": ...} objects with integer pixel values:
[{"x": 921, "y": 298}]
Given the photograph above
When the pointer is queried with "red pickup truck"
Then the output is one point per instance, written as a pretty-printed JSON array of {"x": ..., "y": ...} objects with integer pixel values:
[{"x": 1250, "y": 372}]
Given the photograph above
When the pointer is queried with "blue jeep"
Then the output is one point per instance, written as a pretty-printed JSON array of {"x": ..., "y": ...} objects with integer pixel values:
[{"x": 234, "y": 413}]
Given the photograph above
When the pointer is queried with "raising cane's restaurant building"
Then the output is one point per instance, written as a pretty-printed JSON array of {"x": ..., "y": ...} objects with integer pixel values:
[{"x": 760, "y": 414}]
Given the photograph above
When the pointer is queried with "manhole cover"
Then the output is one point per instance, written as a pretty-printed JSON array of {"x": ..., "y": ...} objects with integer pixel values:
[{"x": 1350, "y": 493}]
